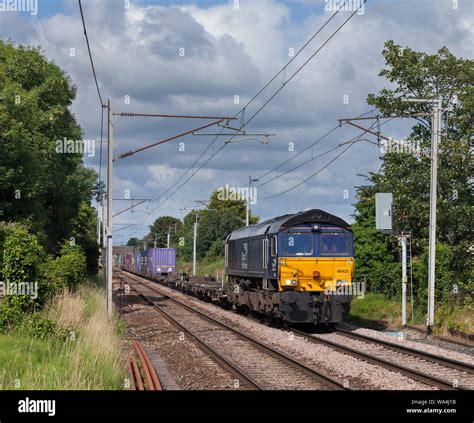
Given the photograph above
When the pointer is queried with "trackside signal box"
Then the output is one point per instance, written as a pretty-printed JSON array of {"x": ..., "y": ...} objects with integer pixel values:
[{"x": 383, "y": 211}]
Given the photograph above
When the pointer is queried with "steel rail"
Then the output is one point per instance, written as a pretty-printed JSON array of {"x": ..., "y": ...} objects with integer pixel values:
[
  {"x": 447, "y": 362},
  {"x": 378, "y": 361}
]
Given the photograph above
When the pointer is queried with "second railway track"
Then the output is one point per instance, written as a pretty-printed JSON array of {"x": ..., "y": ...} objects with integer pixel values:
[{"x": 259, "y": 365}]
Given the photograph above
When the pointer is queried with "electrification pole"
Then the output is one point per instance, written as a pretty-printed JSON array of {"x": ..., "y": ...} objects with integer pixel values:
[
  {"x": 109, "y": 208},
  {"x": 435, "y": 139},
  {"x": 194, "y": 244},
  {"x": 247, "y": 203},
  {"x": 168, "y": 237},
  {"x": 99, "y": 203},
  {"x": 403, "y": 241}
]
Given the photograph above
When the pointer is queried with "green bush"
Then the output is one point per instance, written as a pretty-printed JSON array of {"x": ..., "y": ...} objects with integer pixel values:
[
  {"x": 22, "y": 256},
  {"x": 22, "y": 259},
  {"x": 216, "y": 251},
  {"x": 35, "y": 325},
  {"x": 66, "y": 271},
  {"x": 24, "y": 262},
  {"x": 445, "y": 276}
]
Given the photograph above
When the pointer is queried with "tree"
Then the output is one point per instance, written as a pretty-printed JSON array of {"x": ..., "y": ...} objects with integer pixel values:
[
  {"x": 232, "y": 201},
  {"x": 133, "y": 242},
  {"x": 84, "y": 234},
  {"x": 161, "y": 227},
  {"x": 419, "y": 75},
  {"x": 43, "y": 182}
]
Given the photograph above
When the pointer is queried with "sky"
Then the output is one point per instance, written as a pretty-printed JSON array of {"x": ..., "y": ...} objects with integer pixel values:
[{"x": 211, "y": 57}]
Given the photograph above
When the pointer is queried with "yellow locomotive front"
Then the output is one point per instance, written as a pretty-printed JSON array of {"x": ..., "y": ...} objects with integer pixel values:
[{"x": 315, "y": 272}]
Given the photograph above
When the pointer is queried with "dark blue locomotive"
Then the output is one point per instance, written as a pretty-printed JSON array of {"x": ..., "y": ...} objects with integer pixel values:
[{"x": 297, "y": 267}]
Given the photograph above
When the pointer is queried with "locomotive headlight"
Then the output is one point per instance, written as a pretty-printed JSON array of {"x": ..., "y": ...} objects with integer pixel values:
[{"x": 293, "y": 282}]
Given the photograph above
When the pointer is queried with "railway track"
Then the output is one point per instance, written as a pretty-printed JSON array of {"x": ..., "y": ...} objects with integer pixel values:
[
  {"x": 424, "y": 367},
  {"x": 259, "y": 365}
]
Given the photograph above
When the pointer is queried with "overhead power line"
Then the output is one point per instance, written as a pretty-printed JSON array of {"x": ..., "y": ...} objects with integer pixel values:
[
  {"x": 350, "y": 143},
  {"x": 306, "y": 62},
  {"x": 315, "y": 173},
  {"x": 321, "y": 138},
  {"x": 249, "y": 102},
  {"x": 90, "y": 54},
  {"x": 295, "y": 56}
]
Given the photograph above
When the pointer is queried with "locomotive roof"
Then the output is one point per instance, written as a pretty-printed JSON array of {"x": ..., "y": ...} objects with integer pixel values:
[{"x": 274, "y": 225}]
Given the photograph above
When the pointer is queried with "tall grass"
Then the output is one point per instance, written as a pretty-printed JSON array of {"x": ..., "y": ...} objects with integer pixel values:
[{"x": 91, "y": 357}]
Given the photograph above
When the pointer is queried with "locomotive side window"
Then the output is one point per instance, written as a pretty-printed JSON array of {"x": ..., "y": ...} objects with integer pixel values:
[
  {"x": 333, "y": 244},
  {"x": 273, "y": 246},
  {"x": 298, "y": 244}
]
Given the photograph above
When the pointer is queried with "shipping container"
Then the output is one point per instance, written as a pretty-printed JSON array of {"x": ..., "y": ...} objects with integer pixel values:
[{"x": 161, "y": 261}]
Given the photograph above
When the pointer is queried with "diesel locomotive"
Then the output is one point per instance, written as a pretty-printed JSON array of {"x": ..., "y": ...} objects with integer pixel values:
[{"x": 297, "y": 268}]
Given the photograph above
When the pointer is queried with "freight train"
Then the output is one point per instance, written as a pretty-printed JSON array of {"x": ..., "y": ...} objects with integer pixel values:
[{"x": 295, "y": 268}]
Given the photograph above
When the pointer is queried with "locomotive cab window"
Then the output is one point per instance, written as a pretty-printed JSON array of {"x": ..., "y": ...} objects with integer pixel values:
[
  {"x": 333, "y": 244},
  {"x": 298, "y": 244}
]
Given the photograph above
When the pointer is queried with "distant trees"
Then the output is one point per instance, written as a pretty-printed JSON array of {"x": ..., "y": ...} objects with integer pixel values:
[
  {"x": 41, "y": 186},
  {"x": 133, "y": 242},
  {"x": 416, "y": 74}
]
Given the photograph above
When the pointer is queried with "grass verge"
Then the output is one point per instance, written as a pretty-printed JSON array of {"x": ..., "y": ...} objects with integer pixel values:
[
  {"x": 90, "y": 358},
  {"x": 374, "y": 308}
]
